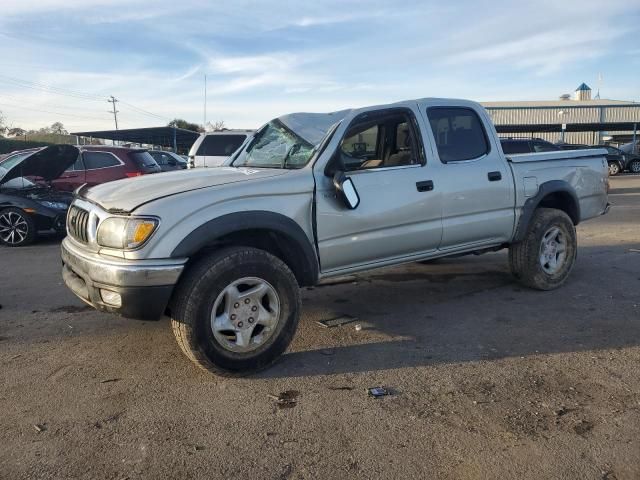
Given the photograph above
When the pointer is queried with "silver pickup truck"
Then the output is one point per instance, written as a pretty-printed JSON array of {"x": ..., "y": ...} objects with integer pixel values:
[{"x": 223, "y": 251}]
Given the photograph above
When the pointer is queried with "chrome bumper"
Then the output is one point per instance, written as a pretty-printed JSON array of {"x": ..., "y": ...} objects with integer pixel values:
[
  {"x": 121, "y": 272},
  {"x": 143, "y": 288}
]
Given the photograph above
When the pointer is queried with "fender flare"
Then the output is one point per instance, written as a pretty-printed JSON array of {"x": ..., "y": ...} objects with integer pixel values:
[
  {"x": 532, "y": 203},
  {"x": 207, "y": 233}
]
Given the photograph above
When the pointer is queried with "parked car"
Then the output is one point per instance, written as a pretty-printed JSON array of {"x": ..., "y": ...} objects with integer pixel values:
[
  {"x": 615, "y": 158},
  {"x": 29, "y": 208},
  {"x": 168, "y": 160},
  {"x": 97, "y": 164},
  {"x": 317, "y": 196},
  {"x": 211, "y": 149},
  {"x": 514, "y": 146},
  {"x": 633, "y": 164}
]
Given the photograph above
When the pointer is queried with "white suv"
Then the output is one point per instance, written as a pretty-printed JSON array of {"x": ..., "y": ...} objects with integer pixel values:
[{"x": 211, "y": 149}]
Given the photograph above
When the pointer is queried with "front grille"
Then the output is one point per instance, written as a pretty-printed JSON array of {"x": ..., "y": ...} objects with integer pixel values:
[{"x": 77, "y": 223}]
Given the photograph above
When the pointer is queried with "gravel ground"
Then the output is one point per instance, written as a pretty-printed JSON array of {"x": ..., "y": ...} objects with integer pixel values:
[{"x": 488, "y": 379}]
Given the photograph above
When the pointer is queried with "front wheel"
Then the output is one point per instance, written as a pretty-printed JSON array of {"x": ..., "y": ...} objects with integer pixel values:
[
  {"x": 17, "y": 229},
  {"x": 544, "y": 259},
  {"x": 614, "y": 169},
  {"x": 634, "y": 166},
  {"x": 236, "y": 311}
]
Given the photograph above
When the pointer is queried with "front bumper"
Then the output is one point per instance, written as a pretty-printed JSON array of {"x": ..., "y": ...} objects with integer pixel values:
[{"x": 144, "y": 286}]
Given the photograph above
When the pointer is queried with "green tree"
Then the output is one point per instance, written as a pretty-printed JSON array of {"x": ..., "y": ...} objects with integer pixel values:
[
  {"x": 16, "y": 132},
  {"x": 180, "y": 123},
  {"x": 58, "y": 128}
]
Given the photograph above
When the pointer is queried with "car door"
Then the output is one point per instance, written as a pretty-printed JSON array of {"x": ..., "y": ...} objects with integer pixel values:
[
  {"x": 72, "y": 178},
  {"x": 478, "y": 196},
  {"x": 102, "y": 166},
  {"x": 399, "y": 213}
]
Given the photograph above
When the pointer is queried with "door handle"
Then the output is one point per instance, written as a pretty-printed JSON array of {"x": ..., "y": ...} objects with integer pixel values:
[
  {"x": 425, "y": 186},
  {"x": 494, "y": 176}
]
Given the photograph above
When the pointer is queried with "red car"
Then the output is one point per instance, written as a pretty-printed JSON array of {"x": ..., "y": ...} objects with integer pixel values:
[{"x": 99, "y": 164}]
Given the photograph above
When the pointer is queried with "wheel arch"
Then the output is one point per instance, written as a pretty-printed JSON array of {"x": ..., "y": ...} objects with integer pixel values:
[
  {"x": 557, "y": 194},
  {"x": 269, "y": 231}
]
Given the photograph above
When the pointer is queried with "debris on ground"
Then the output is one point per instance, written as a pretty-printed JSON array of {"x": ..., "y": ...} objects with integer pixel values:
[
  {"x": 287, "y": 399},
  {"x": 340, "y": 388},
  {"x": 377, "y": 392},
  {"x": 40, "y": 427},
  {"x": 337, "y": 321},
  {"x": 110, "y": 380},
  {"x": 582, "y": 427},
  {"x": 358, "y": 327}
]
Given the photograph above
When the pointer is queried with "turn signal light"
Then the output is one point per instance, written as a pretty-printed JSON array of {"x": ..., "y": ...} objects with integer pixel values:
[{"x": 134, "y": 174}]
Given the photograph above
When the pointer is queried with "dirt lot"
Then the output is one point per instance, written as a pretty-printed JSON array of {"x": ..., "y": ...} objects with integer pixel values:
[{"x": 489, "y": 380}]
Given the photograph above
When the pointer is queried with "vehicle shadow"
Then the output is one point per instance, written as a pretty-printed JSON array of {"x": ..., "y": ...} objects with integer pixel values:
[{"x": 462, "y": 310}]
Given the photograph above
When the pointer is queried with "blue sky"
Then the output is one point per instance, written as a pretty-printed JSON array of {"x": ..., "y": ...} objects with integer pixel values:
[{"x": 263, "y": 59}]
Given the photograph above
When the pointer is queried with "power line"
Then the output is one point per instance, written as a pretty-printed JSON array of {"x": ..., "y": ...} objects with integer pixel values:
[
  {"x": 49, "y": 111},
  {"x": 42, "y": 87},
  {"x": 49, "y": 89},
  {"x": 143, "y": 111}
]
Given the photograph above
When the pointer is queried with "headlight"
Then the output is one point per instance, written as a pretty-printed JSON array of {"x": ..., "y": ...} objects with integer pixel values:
[
  {"x": 54, "y": 205},
  {"x": 125, "y": 233}
]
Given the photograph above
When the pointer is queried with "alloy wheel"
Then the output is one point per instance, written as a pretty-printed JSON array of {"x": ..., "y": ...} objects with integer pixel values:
[
  {"x": 245, "y": 314},
  {"x": 13, "y": 228},
  {"x": 553, "y": 250}
]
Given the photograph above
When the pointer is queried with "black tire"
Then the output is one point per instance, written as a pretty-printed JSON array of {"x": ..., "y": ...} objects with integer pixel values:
[
  {"x": 614, "y": 169},
  {"x": 525, "y": 256},
  {"x": 634, "y": 166},
  {"x": 24, "y": 232},
  {"x": 193, "y": 301}
]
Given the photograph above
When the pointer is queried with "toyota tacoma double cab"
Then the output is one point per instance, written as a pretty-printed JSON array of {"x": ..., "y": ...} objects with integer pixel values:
[{"x": 223, "y": 251}]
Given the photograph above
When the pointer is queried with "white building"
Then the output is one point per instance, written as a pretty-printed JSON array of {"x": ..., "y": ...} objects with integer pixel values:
[{"x": 579, "y": 109}]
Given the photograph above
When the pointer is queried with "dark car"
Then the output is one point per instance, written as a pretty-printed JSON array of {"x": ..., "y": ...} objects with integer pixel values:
[
  {"x": 615, "y": 158},
  {"x": 29, "y": 205},
  {"x": 514, "y": 146},
  {"x": 168, "y": 160},
  {"x": 624, "y": 160},
  {"x": 97, "y": 164}
]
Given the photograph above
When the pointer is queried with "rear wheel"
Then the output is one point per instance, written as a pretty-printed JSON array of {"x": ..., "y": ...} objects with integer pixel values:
[
  {"x": 634, "y": 166},
  {"x": 544, "y": 259},
  {"x": 236, "y": 311},
  {"x": 16, "y": 228},
  {"x": 614, "y": 169}
]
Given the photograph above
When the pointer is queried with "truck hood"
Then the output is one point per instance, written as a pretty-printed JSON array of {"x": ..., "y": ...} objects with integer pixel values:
[{"x": 128, "y": 194}]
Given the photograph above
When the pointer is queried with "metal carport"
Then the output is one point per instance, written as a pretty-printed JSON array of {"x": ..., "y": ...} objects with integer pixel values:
[{"x": 177, "y": 138}]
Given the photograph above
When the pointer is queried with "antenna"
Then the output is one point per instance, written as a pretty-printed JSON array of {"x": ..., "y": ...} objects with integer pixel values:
[
  {"x": 204, "y": 118},
  {"x": 599, "y": 86}
]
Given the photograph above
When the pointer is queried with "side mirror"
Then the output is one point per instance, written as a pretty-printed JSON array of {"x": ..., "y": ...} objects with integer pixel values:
[
  {"x": 346, "y": 190},
  {"x": 172, "y": 162}
]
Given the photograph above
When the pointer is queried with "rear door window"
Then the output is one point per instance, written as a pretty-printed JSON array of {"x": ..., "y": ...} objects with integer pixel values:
[
  {"x": 220, "y": 145},
  {"x": 510, "y": 147},
  {"x": 458, "y": 132},
  {"x": 144, "y": 161},
  {"x": 95, "y": 160},
  {"x": 539, "y": 146}
]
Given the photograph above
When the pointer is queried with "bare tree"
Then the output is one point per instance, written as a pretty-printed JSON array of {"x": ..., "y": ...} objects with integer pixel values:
[
  {"x": 3, "y": 127},
  {"x": 215, "y": 126}
]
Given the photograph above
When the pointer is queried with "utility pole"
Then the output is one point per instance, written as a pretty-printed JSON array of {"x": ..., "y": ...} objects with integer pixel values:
[{"x": 113, "y": 100}]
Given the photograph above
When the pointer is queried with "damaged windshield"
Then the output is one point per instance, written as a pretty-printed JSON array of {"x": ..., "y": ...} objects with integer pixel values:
[{"x": 276, "y": 146}]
